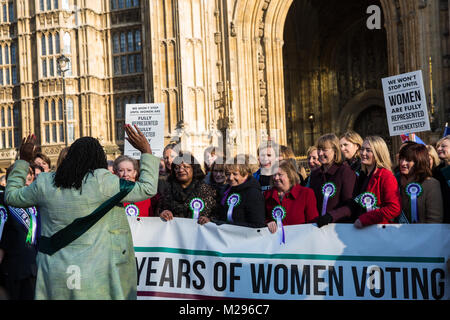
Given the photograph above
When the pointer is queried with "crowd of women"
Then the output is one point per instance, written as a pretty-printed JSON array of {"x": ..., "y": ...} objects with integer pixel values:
[{"x": 350, "y": 180}]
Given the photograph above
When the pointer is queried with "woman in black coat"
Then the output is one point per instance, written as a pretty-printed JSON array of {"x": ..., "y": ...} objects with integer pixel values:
[
  {"x": 185, "y": 191},
  {"x": 242, "y": 202}
]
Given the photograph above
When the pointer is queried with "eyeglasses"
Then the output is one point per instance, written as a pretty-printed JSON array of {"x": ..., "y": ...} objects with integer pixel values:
[{"x": 183, "y": 166}]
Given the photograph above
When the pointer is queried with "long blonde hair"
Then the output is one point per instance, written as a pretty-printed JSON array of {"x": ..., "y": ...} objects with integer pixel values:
[{"x": 380, "y": 153}]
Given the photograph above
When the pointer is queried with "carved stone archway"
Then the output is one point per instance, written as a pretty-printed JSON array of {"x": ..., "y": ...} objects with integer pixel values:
[{"x": 256, "y": 72}]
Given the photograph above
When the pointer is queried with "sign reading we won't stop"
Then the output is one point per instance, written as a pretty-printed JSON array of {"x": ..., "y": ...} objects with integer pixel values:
[{"x": 406, "y": 106}]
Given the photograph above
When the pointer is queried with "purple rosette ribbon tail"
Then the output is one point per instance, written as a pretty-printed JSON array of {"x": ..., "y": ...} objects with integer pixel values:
[
  {"x": 278, "y": 214},
  {"x": 328, "y": 191},
  {"x": 232, "y": 202},
  {"x": 413, "y": 190}
]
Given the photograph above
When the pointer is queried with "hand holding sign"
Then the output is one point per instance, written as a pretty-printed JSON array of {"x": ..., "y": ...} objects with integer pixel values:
[{"x": 137, "y": 139}]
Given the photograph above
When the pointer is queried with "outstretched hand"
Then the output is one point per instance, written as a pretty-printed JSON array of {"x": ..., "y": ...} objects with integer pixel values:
[
  {"x": 28, "y": 148},
  {"x": 137, "y": 139}
]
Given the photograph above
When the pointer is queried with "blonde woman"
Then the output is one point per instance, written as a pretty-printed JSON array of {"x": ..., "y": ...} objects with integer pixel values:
[
  {"x": 442, "y": 173},
  {"x": 377, "y": 198},
  {"x": 350, "y": 144},
  {"x": 433, "y": 156},
  {"x": 332, "y": 183}
]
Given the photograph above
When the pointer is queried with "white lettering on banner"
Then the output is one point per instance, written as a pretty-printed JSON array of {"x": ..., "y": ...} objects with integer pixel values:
[
  {"x": 181, "y": 259},
  {"x": 405, "y": 102}
]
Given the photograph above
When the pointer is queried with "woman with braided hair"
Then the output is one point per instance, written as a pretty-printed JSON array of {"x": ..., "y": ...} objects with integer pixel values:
[{"x": 85, "y": 246}]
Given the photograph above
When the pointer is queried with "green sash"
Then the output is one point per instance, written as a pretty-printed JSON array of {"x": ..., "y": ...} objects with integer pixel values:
[{"x": 79, "y": 226}]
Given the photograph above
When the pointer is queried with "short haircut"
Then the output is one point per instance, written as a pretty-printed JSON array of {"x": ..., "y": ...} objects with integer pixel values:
[
  {"x": 417, "y": 153},
  {"x": 433, "y": 154},
  {"x": 269, "y": 144},
  {"x": 240, "y": 163},
  {"x": 123, "y": 158},
  {"x": 291, "y": 172},
  {"x": 331, "y": 139},
  {"x": 43, "y": 157},
  {"x": 187, "y": 158},
  {"x": 440, "y": 141},
  {"x": 286, "y": 152},
  {"x": 310, "y": 150}
]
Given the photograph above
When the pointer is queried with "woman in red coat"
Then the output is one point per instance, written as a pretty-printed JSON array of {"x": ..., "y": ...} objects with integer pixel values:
[
  {"x": 378, "y": 199},
  {"x": 298, "y": 202},
  {"x": 127, "y": 168}
]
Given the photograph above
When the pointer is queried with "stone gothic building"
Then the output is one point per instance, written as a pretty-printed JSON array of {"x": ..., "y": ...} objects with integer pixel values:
[{"x": 226, "y": 70}]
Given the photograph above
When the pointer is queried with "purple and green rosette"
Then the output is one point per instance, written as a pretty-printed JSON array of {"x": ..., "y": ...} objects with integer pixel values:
[
  {"x": 3, "y": 218},
  {"x": 132, "y": 210},
  {"x": 278, "y": 214},
  {"x": 31, "y": 234},
  {"x": 232, "y": 201},
  {"x": 328, "y": 191},
  {"x": 196, "y": 205},
  {"x": 414, "y": 190},
  {"x": 368, "y": 200}
]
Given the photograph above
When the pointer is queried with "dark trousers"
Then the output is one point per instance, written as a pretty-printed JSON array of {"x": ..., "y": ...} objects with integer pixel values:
[{"x": 22, "y": 289}]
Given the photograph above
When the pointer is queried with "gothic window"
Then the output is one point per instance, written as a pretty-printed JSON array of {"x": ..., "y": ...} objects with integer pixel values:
[
  {"x": 70, "y": 120},
  {"x": 124, "y": 4},
  {"x": 50, "y": 49},
  {"x": 8, "y": 68},
  {"x": 53, "y": 123},
  {"x": 7, "y": 130},
  {"x": 47, "y": 5},
  {"x": 119, "y": 110},
  {"x": 126, "y": 48},
  {"x": 7, "y": 12}
]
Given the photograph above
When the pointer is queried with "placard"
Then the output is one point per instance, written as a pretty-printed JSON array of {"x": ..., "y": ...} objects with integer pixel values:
[
  {"x": 406, "y": 105},
  {"x": 149, "y": 118}
]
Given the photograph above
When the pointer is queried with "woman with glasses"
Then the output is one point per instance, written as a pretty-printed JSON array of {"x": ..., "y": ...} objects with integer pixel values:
[
  {"x": 332, "y": 183},
  {"x": 377, "y": 199},
  {"x": 186, "y": 195}
]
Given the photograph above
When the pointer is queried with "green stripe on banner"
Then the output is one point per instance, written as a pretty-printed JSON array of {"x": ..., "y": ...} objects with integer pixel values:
[{"x": 291, "y": 255}]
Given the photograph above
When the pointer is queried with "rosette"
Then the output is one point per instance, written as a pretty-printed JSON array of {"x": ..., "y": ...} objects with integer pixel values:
[
  {"x": 414, "y": 190},
  {"x": 328, "y": 191},
  {"x": 278, "y": 214},
  {"x": 196, "y": 205},
  {"x": 132, "y": 210},
  {"x": 368, "y": 200},
  {"x": 232, "y": 201}
]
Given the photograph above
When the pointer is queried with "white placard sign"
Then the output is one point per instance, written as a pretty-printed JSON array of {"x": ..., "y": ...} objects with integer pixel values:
[
  {"x": 149, "y": 118},
  {"x": 406, "y": 105}
]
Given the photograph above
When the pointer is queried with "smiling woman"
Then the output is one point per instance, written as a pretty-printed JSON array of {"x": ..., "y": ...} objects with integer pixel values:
[
  {"x": 425, "y": 206},
  {"x": 337, "y": 177},
  {"x": 242, "y": 202},
  {"x": 377, "y": 199},
  {"x": 186, "y": 195},
  {"x": 299, "y": 202}
]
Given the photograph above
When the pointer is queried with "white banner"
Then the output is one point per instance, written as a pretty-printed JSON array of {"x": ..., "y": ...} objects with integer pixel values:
[{"x": 180, "y": 259}]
